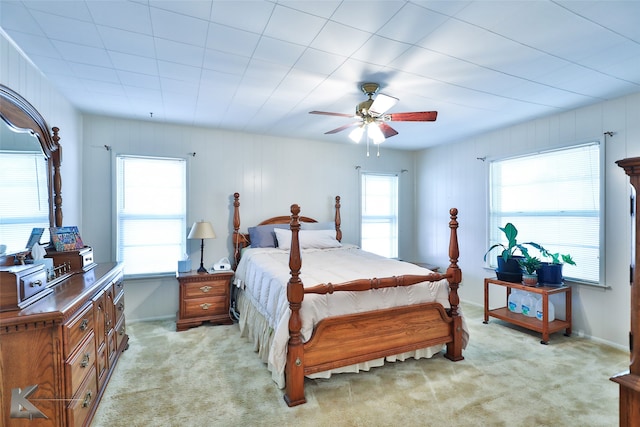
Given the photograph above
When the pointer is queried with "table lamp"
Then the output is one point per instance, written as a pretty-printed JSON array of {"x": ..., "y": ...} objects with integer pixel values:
[{"x": 201, "y": 230}]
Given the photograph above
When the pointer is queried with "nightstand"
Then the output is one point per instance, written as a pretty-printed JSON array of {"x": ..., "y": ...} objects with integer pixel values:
[{"x": 204, "y": 297}]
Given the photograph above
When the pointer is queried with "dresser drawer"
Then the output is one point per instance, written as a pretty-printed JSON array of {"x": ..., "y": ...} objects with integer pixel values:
[
  {"x": 203, "y": 307},
  {"x": 119, "y": 305},
  {"x": 32, "y": 283},
  {"x": 205, "y": 289},
  {"x": 77, "y": 328},
  {"x": 81, "y": 362},
  {"x": 121, "y": 333},
  {"x": 83, "y": 401}
]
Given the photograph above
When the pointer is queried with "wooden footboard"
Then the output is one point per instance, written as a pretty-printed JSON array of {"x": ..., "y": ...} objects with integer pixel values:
[{"x": 344, "y": 340}]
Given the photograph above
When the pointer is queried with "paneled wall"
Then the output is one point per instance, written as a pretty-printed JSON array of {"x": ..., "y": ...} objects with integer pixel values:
[
  {"x": 19, "y": 74},
  {"x": 456, "y": 175},
  {"x": 269, "y": 173}
]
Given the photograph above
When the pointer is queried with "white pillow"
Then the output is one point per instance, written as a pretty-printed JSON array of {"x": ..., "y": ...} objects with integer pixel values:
[{"x": 319, "y": 239}]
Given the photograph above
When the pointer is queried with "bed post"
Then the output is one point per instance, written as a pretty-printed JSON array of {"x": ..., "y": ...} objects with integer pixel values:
[
  {"x": 454, "y": 276},
  {"x": 294, "y": 370},
  {"x": 236, "y": 227},
  {"x": 338, "y": 220}
]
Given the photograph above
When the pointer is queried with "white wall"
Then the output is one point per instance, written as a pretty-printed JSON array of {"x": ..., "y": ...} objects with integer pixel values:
[
  {"x": 269, "y": 173},
  {"x": 19, "y": 74},
  {"x": 452, "y": 176}
]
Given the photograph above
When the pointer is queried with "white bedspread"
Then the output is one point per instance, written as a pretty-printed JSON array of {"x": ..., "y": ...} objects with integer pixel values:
[{"x": 263, "y": 274}]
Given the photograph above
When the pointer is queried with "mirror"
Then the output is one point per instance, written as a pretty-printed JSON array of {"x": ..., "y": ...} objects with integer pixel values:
[{"x": 24, "y": 132}]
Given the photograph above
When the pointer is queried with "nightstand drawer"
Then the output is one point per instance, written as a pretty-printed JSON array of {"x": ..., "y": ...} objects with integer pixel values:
[
  {"x": 206, "y": 289},
  {"x": 203, "y": 307}
]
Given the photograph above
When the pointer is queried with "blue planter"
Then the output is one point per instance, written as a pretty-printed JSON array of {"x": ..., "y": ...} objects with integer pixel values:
[
  {"x": 510, "y": 270},
  {"x": 550, "y": 274}
]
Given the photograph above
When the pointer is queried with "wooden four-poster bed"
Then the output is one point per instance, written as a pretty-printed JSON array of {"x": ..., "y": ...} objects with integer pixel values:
[{"x": 331, "y": 324}]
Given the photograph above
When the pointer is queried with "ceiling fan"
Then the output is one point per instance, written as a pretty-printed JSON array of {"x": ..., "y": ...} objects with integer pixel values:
[{"x": 372, "y": 117}]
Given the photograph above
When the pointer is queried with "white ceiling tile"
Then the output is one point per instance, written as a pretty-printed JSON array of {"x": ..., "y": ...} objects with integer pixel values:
[
  {"x": 134, "y": 63},
  {"x": 278, "y": 51},
  {"x": 366, "y": 16},
  {"x": 339, "y": 39},
  {"x": 319, "y": 61},
  {"x": 91, "y": 72},
  {"x": 224, "y": 62},
  {"x": 127, "y": 42},
  {"x": 412, "y": 23},
  {"x": 197, "y": 9},
  {"x": 231, "y": 40},
  {"x": 380, "y": 50},
  {"x": 129, "y": 16},
  {"x": 233, "y": 13},
  {"x": 83, "y": 54},
  {"x": 180, "y": 28},
  {"x": 14, "y": 16},
  {"x": 34, "y": 45},
  {"x": 322, "y": 9},
  {"x": 180, "y": 72},
  {"x": 68, "y": 30},
  {"x": 69, "y": 9},
  {"x": 180, "y": 53},
  {"x": 293, "y": 26},
  {"x": 138, "y": 80}
]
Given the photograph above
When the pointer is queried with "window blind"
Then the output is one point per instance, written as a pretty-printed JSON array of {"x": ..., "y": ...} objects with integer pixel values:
[
  {"x": 553, "y": 198},
  {"x": 151, "y": 213},
  {"x": 24, "y": 201},
  {"x": 379, "y": 214}
]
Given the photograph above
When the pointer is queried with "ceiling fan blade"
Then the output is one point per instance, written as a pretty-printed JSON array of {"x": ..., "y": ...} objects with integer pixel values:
[
  {"x": 387, "y": 130},
  {"x": 343, "y": 127},
  {"x": 325, "y": 113},
  {"x": 422, "y": 116},
  {"x": 381, "y": 104}
]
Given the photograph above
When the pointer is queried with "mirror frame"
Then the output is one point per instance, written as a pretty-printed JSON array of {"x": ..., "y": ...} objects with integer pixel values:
[{"x": 22, "y": 117}]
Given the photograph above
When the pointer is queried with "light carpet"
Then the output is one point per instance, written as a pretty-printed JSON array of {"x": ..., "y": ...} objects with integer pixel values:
[{"x": 210, "y": 376}]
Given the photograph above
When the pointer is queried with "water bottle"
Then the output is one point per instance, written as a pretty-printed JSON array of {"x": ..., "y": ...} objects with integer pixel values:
[
  {"x": 550, "y": 310},
  {"x": 528, "y": 305},
  {"x": 515, "y": 301}
]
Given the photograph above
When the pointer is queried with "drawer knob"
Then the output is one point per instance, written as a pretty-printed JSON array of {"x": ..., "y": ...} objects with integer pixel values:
[
  {"x": 84, "y": 324},
  {"x": 36, "y": 283},
  {"x": 87, "y": 399},
  {"x": 121, "y": 306},
  {"x": 85, "y": 360},
  {"x": 205, "y": 289},
  {"x": 205, "y": 306}
]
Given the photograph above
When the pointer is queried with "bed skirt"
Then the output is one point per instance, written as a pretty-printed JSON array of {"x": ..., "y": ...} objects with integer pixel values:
[{"x": 256, "y": 329}]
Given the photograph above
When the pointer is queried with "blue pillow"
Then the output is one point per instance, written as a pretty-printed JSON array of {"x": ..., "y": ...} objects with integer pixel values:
[{"x": 263, "y": 236}]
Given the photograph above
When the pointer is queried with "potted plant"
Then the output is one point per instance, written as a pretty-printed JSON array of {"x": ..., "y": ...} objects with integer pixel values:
[
  {"x": 509, "y": 269},
  {"x": 530, "y": 265},
  {"x": 550, "y": 273}
]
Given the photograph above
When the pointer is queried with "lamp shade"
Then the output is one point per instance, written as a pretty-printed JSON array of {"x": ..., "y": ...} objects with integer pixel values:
[{"x": 201, "y": 230}]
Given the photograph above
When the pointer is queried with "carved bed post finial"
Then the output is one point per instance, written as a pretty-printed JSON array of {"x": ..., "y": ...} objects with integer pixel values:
[
  {"x": 338, "y": 220},
  {"x": 454, "y": 277},
  {"x": 294, "y": 371},
  {"x": 56, "y": 156},
  {"x": 236, "y": 227}
]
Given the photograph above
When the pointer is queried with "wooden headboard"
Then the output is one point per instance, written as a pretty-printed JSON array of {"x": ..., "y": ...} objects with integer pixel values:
[{"x": 242, "y": 240}]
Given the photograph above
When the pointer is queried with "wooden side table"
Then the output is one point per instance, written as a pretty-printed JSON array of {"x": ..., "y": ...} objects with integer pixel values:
[
  {"x": 544, "y": 327},
  {"x": 204, "y": 297}
]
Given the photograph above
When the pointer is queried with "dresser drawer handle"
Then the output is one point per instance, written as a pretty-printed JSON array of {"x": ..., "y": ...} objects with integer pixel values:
[
  {"x": 87, "y": 399},
  {"x": 84, "y": 324},
  {"x": 121, "y": 306},
  {"x": 121, "y": 331},
  {"x": 205, "y": 306},
  {"x": 36, "y": 283},
  {"x": 205, "y": 289},
  {"x": 85, "y": 360}
]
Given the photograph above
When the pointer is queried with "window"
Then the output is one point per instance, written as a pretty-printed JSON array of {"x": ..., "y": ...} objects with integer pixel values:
[
  {"x": 24, "y": 202},
  {"x": 379, "y": 214},
  {"x": 553, "y": 198},
  {"x": 151, "y": 213}
]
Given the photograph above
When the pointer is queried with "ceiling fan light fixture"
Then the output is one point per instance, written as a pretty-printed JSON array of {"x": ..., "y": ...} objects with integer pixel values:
[
  {"x": 356, "y": 134},
  {"x": 374, "y": 132}
]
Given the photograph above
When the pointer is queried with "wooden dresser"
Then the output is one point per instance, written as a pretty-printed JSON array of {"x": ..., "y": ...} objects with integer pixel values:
[
  {"x": 629, "y": 381},
  {"x": 57, "y": 354}
]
